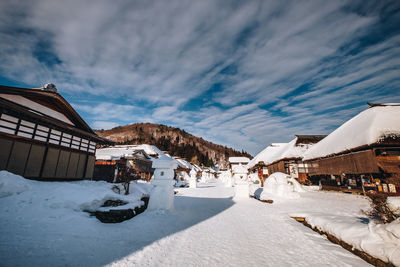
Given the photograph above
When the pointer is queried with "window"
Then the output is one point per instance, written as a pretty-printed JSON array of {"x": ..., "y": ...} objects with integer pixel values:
[{"x": 8, "y": 124}]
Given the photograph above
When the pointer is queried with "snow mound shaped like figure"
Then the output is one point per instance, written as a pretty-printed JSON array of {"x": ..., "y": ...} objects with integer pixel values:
[
  {"x": 11, "y": 184},
  {"x": 281, "y": 185}
]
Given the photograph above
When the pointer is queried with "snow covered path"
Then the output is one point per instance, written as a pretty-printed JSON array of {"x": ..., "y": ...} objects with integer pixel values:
[
  {"x": 207, "y": 228},
  {"x": 246, "y": 233}
]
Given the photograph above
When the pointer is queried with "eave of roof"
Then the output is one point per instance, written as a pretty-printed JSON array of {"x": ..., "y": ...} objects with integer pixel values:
[
  {"x": 87, "y": 131},
  {"x": 53, "y": 96}
]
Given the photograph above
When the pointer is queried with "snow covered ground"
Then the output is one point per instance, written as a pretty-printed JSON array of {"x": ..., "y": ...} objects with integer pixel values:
[
  {"x": 42, "y": 224},
  {"x": 381, "y": 241}
]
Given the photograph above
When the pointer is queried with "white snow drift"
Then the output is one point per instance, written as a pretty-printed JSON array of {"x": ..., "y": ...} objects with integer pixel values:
[{"x": 278, "y": 186}]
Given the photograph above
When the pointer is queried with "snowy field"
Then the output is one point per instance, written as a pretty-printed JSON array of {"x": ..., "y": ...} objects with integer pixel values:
[{"x": 42, "y": 224}]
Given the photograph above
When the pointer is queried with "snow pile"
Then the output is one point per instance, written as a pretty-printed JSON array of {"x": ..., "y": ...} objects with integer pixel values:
[
  {"x": 368, "y": 127},
  {"x": 11, "y": 184},
  {"x": 378, "y": 240},
  {"x": 72, "y": 196},
  {"x": 281, "y": 185}
]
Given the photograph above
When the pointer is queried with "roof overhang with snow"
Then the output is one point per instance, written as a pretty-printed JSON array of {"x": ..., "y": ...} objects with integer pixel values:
[{"x": 377, "y": 126}]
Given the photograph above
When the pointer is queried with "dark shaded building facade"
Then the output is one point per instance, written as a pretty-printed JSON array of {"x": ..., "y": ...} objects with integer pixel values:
[{"x": 43, "y": 138}]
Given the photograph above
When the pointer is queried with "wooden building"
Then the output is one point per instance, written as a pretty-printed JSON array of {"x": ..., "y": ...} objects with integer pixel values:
[
  {"x": 43, "y": 138},
  {"x": 363, "y": 152},
  {"x": 285, "y": 158},
  {"x": 290, "y": 159},
  {"x": 259, "y": 163},
  {"x": 122, "y": 163}
]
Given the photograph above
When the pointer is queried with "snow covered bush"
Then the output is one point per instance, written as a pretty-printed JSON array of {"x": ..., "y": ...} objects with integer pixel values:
[{"x": 380, "y": 209}]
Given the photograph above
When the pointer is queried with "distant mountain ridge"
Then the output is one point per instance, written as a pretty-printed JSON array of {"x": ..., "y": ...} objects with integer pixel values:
[{"x": 174, "y": 140}]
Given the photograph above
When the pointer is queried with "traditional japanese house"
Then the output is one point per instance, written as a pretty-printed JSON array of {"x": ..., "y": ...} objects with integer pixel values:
[
  {"x": 43, "y": 138},
  {"x": 289, "y": 159},
  {"x": 260, "y": 162},
  {"x": 363, "y": 153},
  {"x": 122, "y": 163}
]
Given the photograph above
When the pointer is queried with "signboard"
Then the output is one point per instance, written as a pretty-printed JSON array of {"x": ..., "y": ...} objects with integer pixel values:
[
  {"x": 385, "y": 188},
  {"x": 293, "y": 170},
  {"x": 392, "y": 188}
]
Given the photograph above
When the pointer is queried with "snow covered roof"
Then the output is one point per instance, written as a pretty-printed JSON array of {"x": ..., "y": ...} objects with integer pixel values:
[
  {"x": 279, "y": 151},
  {"x": 369, "y": 127},
  {"x": 116, "y": 153},
  {"x": 197, "y": 168},
  {"x": 293, "y": 149},
  {"x": 184, "y": 164},
  {"x": 239, "y": 160},
  {"x": 266, "y": 155},
  {"x": 149, "y": 149}
]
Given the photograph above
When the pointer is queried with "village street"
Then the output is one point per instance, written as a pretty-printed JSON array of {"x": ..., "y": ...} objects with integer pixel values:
[
  {"x": 242, "y": 233},
  {"x": 44, "y": 222}
]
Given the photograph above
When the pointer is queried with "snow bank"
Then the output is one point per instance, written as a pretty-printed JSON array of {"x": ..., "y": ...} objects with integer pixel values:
[
  {"x": 280, "y": 185},
  {"x": 76, "y": 196},
  {"x": 381, "y": 241},
  {"x": 367, "y": 128},
  {"x": 11, "y": 184}
]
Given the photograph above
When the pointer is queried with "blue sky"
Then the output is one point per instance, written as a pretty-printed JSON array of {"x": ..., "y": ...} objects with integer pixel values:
[{"x": 239, "y": 73}]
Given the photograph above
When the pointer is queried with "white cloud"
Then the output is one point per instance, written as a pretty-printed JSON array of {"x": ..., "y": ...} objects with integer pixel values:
[{"x": 168, "y": 53}]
